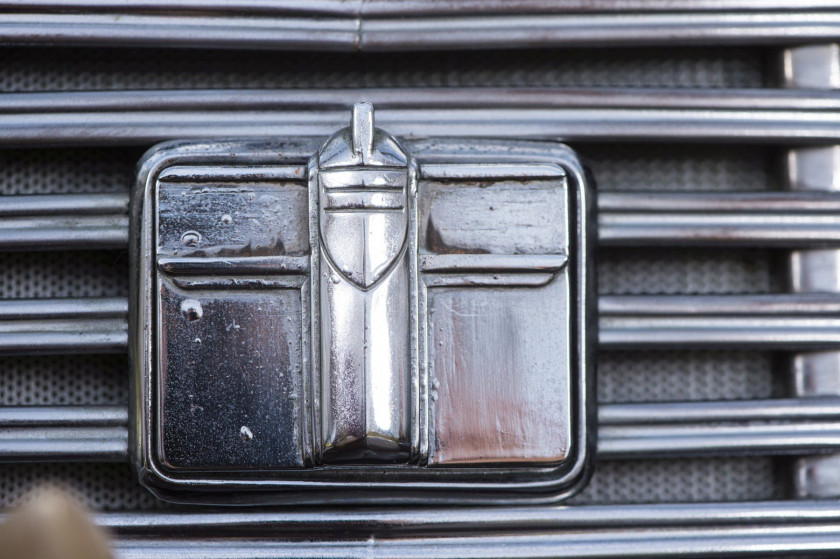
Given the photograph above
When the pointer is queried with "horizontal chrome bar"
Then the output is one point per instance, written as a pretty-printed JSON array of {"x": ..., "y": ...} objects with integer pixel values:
[
  {"x": 792, "y": 409},
  {"x": 771, "y": 322},
  {"x": 627, "y": 431},
  {"x": 55, "y": 342},
  {"x": 63, "y": 326},
  {"x": 801, "y": 219},
  {"x": 188, "y": 100},
  {"x": 356, "y": 8},
  {"x": 63, "y": 416},
  {"x": 65, "y": 221},
  {"x": 95, "y": 205},
  {"x": 90, "y": 308},
  {"x": 719, "y": 529},
  {"x": 110, "y": 118},
  {"x": 767, "y": 322},
  {"x": 675, "y": 440},
  {"x": 825, "y": 305},
  {"x": 775, "y": 541},
  {"x": 753, "y": 219},
  {"x": 401, "y": 521},
  {"x": 63, "y": 434},
  {"x": 352, "y": 28}
]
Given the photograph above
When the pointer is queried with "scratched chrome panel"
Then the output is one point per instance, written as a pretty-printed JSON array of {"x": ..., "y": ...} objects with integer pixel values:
[{"x": 362, "y": 318}]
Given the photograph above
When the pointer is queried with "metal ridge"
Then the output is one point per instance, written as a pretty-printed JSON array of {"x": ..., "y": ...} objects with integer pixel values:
[
  {"x": 634, "y": 322},
  {"x": 726, "y": 219},
  {"x": 627, "y": 431},
  {"x": 354, "y": 8},
  {"x": 774, "y": 541},
  {"x": 375, "y": 26},
  {"x": 582, "y": 115},
  {"x": 488, "y": 519}
]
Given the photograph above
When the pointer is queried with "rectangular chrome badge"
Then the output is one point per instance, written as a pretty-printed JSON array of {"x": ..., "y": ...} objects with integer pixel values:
[{"x": 362, "y": 319}]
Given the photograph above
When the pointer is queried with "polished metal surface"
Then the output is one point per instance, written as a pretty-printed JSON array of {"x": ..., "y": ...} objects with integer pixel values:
[
  {"x": 780, "y": 541},
  {"x": 644, "y": 322},
  {"x": 415, "y": 25},
  {"x": 61, "y": 434},
  {"x": 63, "y": 326},
  {"x": 57, "y": 222},
  {"x": 581, "y": 115},
  {"x": 423, "y": 316},
  {"x": 638, "y": 431},
  {"x": 366, "y": 269},
  {"x": 814, "y": 271},
  {"x": 780, "y": 322},
  {"x": 701, "y": 219},
  {"x": 219, "y": 267},
  {"x": 728, "y": 219},
  {"x": 405, "y": 521}
]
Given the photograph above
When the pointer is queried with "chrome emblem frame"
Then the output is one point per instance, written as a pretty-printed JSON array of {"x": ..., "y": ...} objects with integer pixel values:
[{"x": 362, "y": 319}]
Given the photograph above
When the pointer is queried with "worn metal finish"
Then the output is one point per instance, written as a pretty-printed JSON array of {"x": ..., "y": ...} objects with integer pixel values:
[
  {"x": 370, "y": 328},
  {"x": 626, "y": 431},
  {"x": 814, "y": 271},
  {"x": 365, "y": 257},
  {"x": 702, "y": 219},
  {"x": 378, "y": 26},
  {"x": 718, "y": 322},
  {"x": 56, "y": 222},
  {"x": 431, "y": 520},
  {"x": 751, "y": 219},
  {"x": 35, "y": 434},
  {"x": 120, "y": 118},
  {"x": 413, "y": 7},
  {"x": 762, "y": 541},
  {"x": 63, "y": 326},
  {"x": 767, "y": 322}
]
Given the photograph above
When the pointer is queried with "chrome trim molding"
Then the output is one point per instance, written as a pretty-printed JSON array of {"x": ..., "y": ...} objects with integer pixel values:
[
  {"x": 582, "y": 115},
  {"x": 414, "y": 25},
  {"x": 727, "y": 219},
  {"x": 626, "y": 431}
]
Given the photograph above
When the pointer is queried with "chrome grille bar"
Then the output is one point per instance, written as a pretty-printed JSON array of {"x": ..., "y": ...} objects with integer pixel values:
[
  {"x": 324, "y": 27},
  {"x": 64, "y": 221},
  {"x": 350, "y": 8},
  {"x": 718, "y": 529},
  {"x": 392, "y": 521},
  {"x": 628, "y": 431},
  {"x": 419, "y": 97},
  {"x": 704, "y": 322},
  {"x": 771, "y": 322},
  {"x": 64, "y": 434},
  {"x": 776, "y": 541},
  {"x": 111, "y": 118},
  {"x": 791, "y": 409},
  {"x": 63, "y": 326},
  {"x": 750, "y": 219},
  {"x": 755, "y": 219}
]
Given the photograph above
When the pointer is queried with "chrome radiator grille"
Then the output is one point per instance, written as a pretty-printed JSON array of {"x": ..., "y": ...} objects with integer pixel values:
[{"x": 696, "y": 324}]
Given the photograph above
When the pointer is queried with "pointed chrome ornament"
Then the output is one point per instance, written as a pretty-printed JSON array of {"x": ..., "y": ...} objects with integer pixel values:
[{"x": 367, "y": 289}]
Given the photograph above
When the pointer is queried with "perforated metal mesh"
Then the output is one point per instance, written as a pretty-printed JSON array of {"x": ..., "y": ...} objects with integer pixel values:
[
  {"x": 623, "y": 376},
  {"x": 99, "y": 486},
  {"x": 77, "y": 69},
  {"x": 659, "y": 376},
  {"x": 669, "y": 481}
]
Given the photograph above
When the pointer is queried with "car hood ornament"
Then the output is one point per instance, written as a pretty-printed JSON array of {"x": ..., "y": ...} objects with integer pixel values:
[{"x": 362, "y": 319}]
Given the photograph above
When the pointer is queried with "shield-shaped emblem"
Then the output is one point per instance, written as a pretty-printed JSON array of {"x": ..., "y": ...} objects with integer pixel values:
[{"x": 363, "y": 208}]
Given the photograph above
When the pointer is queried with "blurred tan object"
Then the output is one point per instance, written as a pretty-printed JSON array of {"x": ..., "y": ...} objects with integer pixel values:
[{"x": 51, "y": 525}]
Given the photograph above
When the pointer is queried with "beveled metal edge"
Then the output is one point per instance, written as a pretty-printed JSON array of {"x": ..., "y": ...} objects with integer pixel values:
[
  {"x": 374, "y": 26},
  {"x": 553, "y": 483}
]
